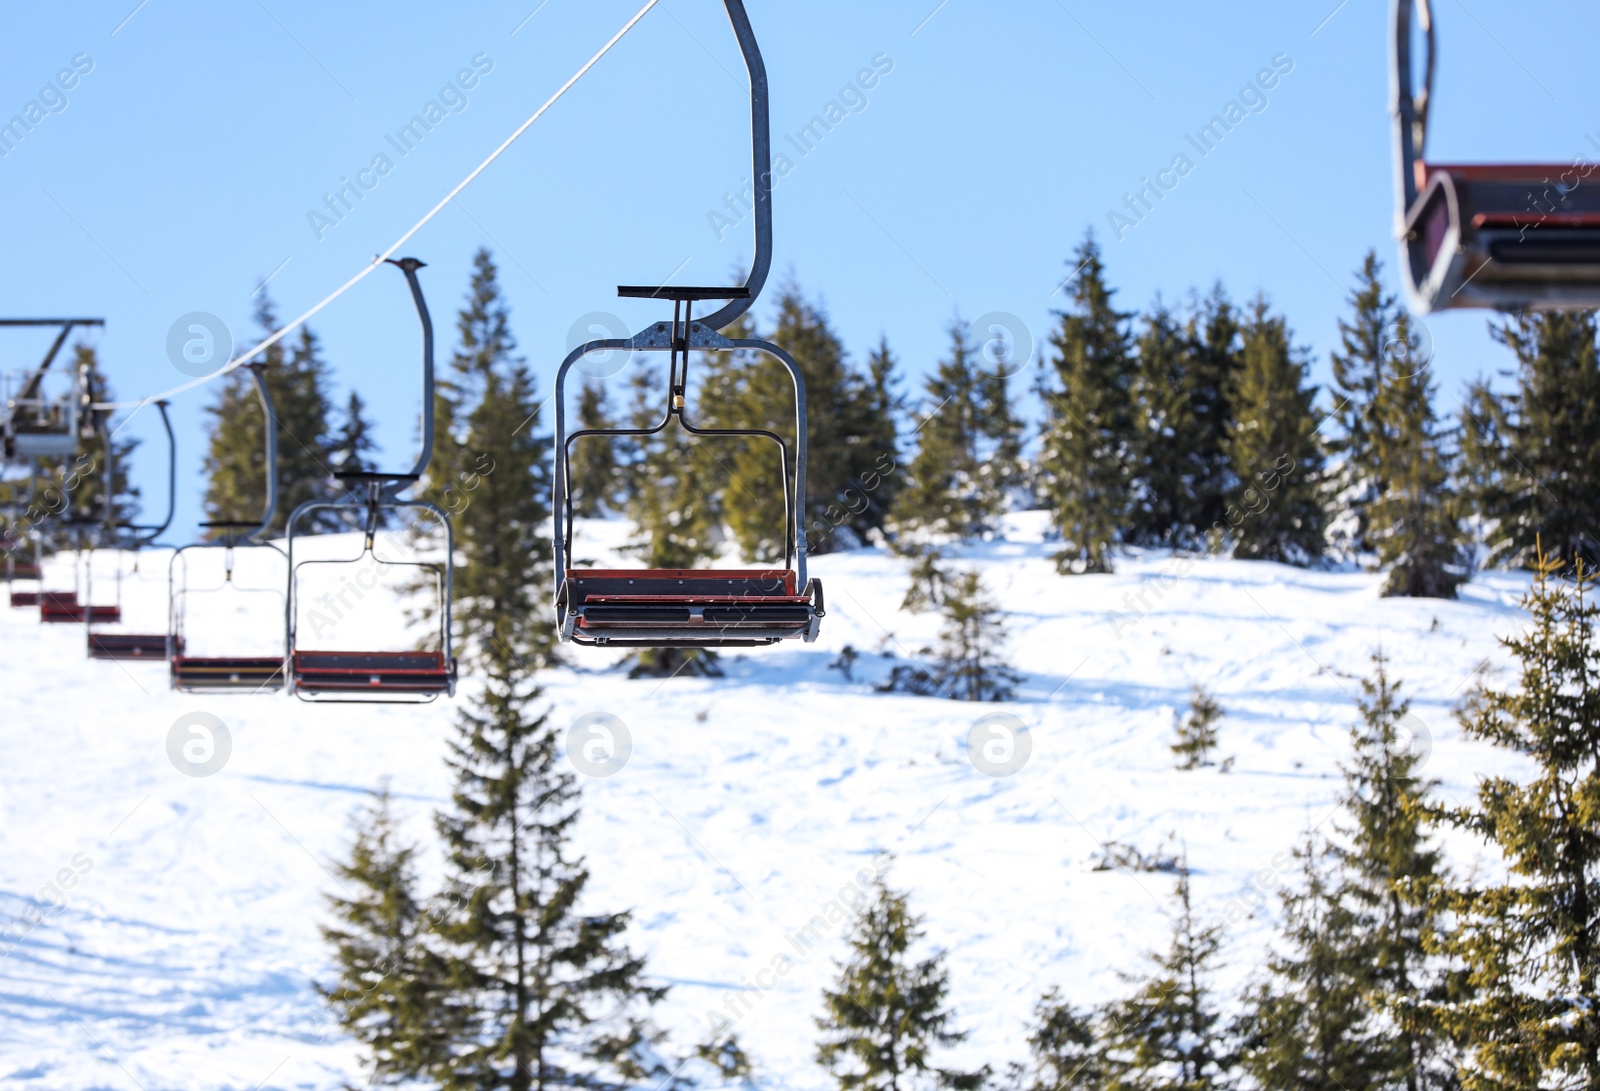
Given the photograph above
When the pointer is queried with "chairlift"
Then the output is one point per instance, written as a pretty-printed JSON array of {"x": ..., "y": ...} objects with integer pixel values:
[
  {"x": 218, "y": 659},
  {"x": 33, "y": 422},
  {"x": 695, "y": 608},
  {"x": 77, "y": 606},
  {"x": 1498, "y": 235},
  {"x": 134, "y": 538},
  {"x": 365, "y": 675}
]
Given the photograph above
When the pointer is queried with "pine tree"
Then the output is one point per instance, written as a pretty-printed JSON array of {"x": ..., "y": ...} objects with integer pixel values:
[
  {"x": 1277, "y": 512},
  {"x": 886, "y": 1014},
  {"x": 1089, "y": 428},
  {"x": 1212, "y": 373},
  {"x": 236, "y": 460},
  {"x": 594, "y": 458},
  {"x": 1530, "y": 943},
  {"x": 1552, "y": 490},
  {"x": 968, "y": 663},
  {"x": 882, "y": 409},
  {"x": 548, "y": 994},
  {"x": 1484, "y": 467},
  {"x": 1413, "y": 522},
  {"x": 491, "y": 474},
  {"x": 1358, "y": 373},
  {"x": 1197, "y": 732},
  {"x": 391, "y": 994},
  {"x": 1166, "y": 425},
  {"x": 1064, "y": 1050},
  {"x": 1389, "y": 877},
  {"x": 1168, "y": 1034},
  {"x": 967, "y": 449},
  {"x": 354, "y": 445},
  {"x": 1309, "y": 1025}
]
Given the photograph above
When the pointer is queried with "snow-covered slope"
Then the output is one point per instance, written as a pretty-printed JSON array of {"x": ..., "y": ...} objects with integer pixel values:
[{"x": 183, "y": 952}]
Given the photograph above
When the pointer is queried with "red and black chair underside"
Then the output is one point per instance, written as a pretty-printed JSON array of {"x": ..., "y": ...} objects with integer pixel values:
[
  {"x": 1499, "y": 234},
  {"x": 63, "y": 607},
  {"x": 227, "y": 674},
  {"x": 358, "y": 674},
  {"x": 151, "y": 646},
  {"x": 687, "y": 608}
]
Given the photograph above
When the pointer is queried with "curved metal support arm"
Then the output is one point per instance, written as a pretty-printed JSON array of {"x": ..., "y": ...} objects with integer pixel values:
[
  {"x": 409, "y": 267},
  {"x": 154, "y": 532},
  {"x": 760, "y": 167},
  {"x": 1408, "y": 107}
]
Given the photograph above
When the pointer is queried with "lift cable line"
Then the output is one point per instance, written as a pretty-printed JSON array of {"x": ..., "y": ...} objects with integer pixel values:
[{"x": 279, "y": 334}]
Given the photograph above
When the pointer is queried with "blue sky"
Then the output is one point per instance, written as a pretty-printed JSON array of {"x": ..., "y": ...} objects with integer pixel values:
[{"x": 183, "y": 168}]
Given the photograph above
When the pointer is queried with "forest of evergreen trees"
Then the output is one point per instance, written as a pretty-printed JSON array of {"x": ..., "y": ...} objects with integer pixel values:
[{"x": 1193, "y": 429}]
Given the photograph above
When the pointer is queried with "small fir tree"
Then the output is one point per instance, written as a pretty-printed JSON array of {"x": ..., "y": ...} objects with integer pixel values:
[
  {"x": 1484, "y": 468},
  {"x": 594, "y": 458},
  {"x": 1064, "y": 1050},
  {"x": 1277, "y": 513},
  {"x": 1530, "y": 943},
  {"x": 549, "y": 994},
  {"x": 1366, "y": 348},
  {"x": 1413, "y": 522},
  {"x": 391, "y": 994},
  {"x": 1169, "y": 1034},
  {"x": 1391, "y": 875},
  {"x": 1309, "y": 1025},
  {"x": 1088, "y": 431},
  {"x": 886, "y": 1014},
  {"x": 967, "y": 448},
  {"x": 1552, "y": 499},
  {"x": 1197, "y": 731},
  {"x": 968, "y": 663}
]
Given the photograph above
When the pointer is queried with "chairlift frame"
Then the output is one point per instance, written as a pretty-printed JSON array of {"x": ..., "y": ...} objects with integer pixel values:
[
  {"x": 695, "y": 608},
  {"x": 1507, "y": 236},
  {"x": 414, "y": 677},
  {"x": 227, "y": 674},
  {"x": 134, "y": 645},
  {"x": 55, "y": 428}
]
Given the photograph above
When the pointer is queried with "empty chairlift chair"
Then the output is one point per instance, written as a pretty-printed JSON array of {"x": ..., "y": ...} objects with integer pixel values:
[
  {"x": 366, "y": 673},
  {"x": 226, "y": 595},
  {"x": 1499, "y": 235},
  {"x": 118, "y": 641},
  {"x": 700, "y": 608},
  {"x": 42, "y": 412}
]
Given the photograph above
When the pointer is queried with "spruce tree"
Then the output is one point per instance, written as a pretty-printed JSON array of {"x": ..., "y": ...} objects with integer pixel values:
[
  {"x": 886, "y": 1013},
  {"x": 879, "y": 436},
  {"x": 297, "y": 379},
  {"x": 1358, "y": 373},
  {"x": 354, "y": 445},
  {"x": 1389, "y": 876},
  {"x": 1276, "y": 513},
  {"x": 1552, "y": 490},
  {"x": 491, "y": 474},
  {"x": 968, "y": 663},
  {"x": 1064, "y": 1050},
  {"x": 1530, "y": 942},
  {"x": 1197, "y": 731},
  {"x": 967, "y": 449},
  {"x": 391, "y": 994},
  {"x": 1484, "y": 467},
  {"x": 1309, "y": 1025},
  {"x": 1183, "y": 403},
  {"x": 547, "y": 994},
  {"x": 1169, "y": 1034},
  {"x": 594, "y": 458},
  {"x": 1088, "y": 429},
  {"x": 1413, "y": 523}
]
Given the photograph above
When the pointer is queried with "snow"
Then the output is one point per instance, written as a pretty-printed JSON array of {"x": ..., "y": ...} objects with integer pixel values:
[{"x": 751, "y": 809}]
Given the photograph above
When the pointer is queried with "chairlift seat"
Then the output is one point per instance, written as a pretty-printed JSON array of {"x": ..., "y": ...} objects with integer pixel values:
[
  {"x": 678, "y": 607},
  {"x": 377, "y": 673},
  {"x": 21, "y": 599},
  {"x": 23, "y": 570},
  {"x": 63, "y": 607},
  {"x": 1502, "y": 235},
  {"x": 225, "y": 674},
  {"x": 151, "y": 646}
]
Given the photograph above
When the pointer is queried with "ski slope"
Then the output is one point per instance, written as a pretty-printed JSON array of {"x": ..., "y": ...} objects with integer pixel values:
[{"x": 183, "y": 953}]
